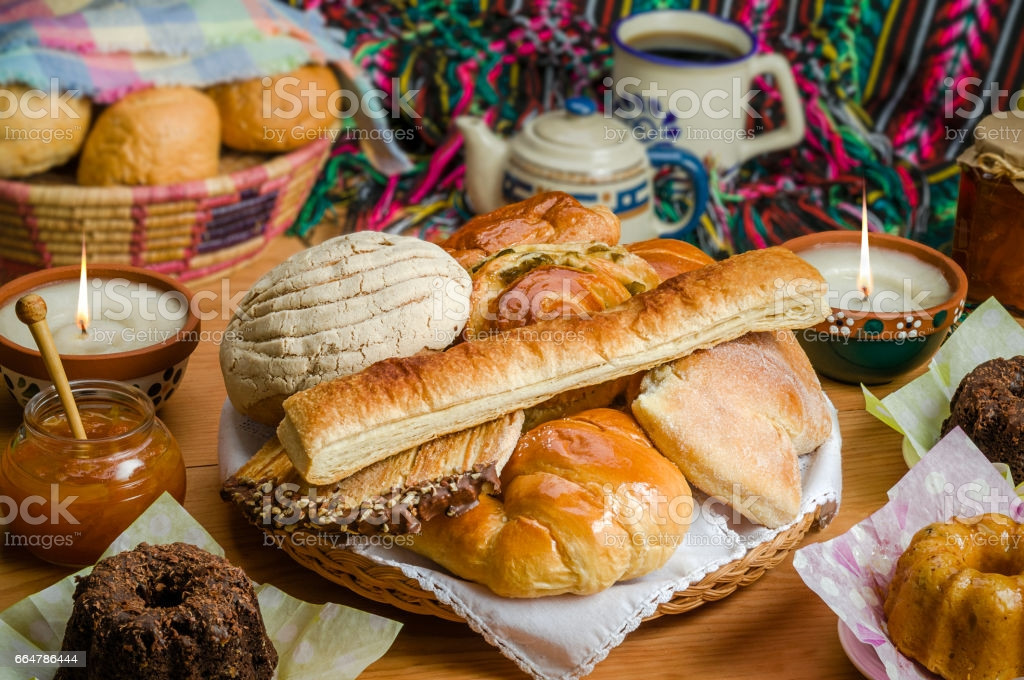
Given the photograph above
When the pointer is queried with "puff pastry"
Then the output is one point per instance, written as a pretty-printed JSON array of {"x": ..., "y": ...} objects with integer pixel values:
[
  {"x": 341, "y": 426},
  {"x": 392, "y": 496}
]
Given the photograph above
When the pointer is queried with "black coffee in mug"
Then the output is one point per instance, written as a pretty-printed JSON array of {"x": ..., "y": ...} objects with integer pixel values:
[
  {"x": 692, "y": 48},
  {"x": 683, "y": 77}
]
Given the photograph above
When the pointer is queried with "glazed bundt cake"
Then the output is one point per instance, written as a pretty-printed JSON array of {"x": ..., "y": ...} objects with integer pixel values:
[
  {"x": 956, "y": 601},
  {"x": 167, "y": 612},
  {"x": 989, "y": 406}
]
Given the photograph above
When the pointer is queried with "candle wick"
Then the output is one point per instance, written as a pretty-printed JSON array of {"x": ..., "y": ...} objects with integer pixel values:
[{"x": 82, "y": 328}]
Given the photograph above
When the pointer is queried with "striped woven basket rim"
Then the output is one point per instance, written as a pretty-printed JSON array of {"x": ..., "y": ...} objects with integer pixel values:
[
  {"x": 386, "y": 584},
  {"x": 192, "y": 230},
  {"x": 274, "y": 167}
]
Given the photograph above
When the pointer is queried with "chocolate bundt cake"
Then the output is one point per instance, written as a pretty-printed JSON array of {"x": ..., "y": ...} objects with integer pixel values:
[
  {"x": 989, "y": 406},
  {"x": 168, "y": 612}
]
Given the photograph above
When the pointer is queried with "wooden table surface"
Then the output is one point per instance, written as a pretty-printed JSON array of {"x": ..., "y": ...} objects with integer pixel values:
[{"x": 775, "y": 628}]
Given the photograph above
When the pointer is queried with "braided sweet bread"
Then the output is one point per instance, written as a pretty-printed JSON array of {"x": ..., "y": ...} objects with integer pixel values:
[{"x": 586, "y": 501}]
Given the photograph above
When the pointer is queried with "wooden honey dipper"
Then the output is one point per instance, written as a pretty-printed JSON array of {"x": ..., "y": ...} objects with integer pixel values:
[{"x": 31, "y": 310}]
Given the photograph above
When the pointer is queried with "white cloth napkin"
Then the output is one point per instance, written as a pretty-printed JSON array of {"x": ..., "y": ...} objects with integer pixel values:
[{"x": 563, "y": 637}]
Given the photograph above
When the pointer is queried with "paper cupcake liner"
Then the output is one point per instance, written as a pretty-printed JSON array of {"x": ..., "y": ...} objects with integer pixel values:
[
  {"x": 313, "y": 642},
  {"x": 918, "y": 409}
]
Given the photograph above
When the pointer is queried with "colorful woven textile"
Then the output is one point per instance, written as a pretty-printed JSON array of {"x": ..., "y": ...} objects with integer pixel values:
[
  {"x": 880, "y": 79},
  {"x": 105, "y": 48}
]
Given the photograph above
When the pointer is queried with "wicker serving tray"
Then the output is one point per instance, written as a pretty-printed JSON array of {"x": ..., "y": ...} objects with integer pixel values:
[{"x": 389, "y": 585}]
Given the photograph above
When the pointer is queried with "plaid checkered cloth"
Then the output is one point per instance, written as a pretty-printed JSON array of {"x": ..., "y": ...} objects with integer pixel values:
[{"x": 107, "y": 48}]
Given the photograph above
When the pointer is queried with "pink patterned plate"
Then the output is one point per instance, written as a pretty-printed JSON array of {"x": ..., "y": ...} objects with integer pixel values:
[{"x": 861, "y": 654}]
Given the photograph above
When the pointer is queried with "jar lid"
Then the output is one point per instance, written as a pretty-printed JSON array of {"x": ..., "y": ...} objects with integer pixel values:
[
  {"x": 998, "y": 147},
  {"x": 1002, "y": 133}
]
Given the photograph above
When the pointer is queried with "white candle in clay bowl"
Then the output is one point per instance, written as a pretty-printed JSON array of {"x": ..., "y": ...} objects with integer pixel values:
[
  {"x": 119, "y": 316},
  {"x": 901, "y": 281},
  {"x": 892, "y": 301},
  {"x": 112, "y": 322}
]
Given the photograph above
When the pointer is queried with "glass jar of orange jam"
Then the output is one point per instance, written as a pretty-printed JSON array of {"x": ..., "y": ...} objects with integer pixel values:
[
  {"x": 989, "y": 236},
  {"x": 68, "y": 499}
]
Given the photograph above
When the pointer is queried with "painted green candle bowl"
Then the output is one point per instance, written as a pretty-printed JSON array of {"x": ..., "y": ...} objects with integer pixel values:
[{"x": 874, "y": 347}]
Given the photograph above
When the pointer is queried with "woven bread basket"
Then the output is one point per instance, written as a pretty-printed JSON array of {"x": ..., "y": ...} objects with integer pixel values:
[
  {"x": 191, "y": 230},
  {"x": 389, "y": 585}
]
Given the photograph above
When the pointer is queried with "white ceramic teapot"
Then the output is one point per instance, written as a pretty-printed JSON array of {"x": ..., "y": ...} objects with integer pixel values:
[{"x": 595, "y": 158}]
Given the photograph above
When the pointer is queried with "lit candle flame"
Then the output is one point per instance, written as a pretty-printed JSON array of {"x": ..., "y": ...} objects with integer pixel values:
[
  {"x": 864, "y": 281},
  {"x": 82, "y": 317}
]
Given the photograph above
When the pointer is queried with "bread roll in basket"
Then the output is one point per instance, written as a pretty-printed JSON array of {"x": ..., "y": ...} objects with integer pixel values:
[
  {"x": 155, "y": 189},
  {"x": 586, "y": 501},
  {"x": 338, "y": 427},
  {"x": 548, "y": 517}
]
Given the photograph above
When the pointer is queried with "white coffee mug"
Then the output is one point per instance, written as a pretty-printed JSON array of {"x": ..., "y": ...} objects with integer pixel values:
[{"x": 685, "y": 77}]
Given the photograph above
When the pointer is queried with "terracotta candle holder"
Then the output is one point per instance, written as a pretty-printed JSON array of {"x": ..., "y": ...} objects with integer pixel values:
[
  {"x": 155, "y": 368},
  {"x": 872, "y": 346}
]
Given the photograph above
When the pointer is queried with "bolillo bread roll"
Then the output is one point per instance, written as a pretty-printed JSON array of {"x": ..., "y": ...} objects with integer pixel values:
[
  {"x": 163, "y": 135},
  {"x": 735, "y": 417},
  {"x": 278, "y": 113},
  {"x": 31, "y": 143},
  {"x": 341, "y": 426},
  {"x": 586, "y": 501}
]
